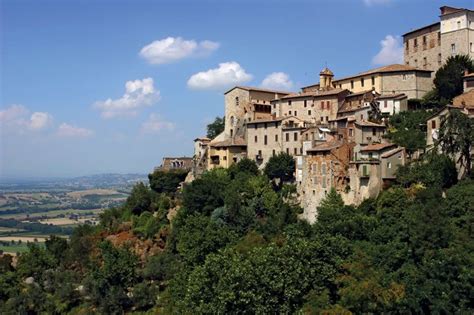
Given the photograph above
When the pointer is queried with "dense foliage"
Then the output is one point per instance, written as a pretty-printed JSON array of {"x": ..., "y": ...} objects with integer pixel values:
[
  {"x": 235, "y": 245},
  {"x": 215, "y": 128},
  {"x": 407, "y": 129}
]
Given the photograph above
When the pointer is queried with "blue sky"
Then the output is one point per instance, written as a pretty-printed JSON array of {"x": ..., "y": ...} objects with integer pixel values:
[{"x": 113, "y": 86}]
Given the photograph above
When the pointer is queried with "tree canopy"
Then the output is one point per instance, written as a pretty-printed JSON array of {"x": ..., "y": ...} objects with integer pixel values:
[
  {"x": 215, "y": 128},
  {"x": 449, "y": 78}
]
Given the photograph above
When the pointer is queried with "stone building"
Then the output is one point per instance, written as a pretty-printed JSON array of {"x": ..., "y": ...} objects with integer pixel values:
[
  {"x": 428, "y": 47},
  {"x": 243, "y": 104},
  {"x": 224, "y": 152},
  {"x": 174, "y": 163},
  {"x": 412, "y": 81},
  {"x": 390, "y": 104}
]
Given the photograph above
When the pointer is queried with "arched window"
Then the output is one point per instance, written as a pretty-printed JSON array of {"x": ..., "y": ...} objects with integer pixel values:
[
  {"x": 236, "y": 101},
  {"x": 231, "y": 120}
]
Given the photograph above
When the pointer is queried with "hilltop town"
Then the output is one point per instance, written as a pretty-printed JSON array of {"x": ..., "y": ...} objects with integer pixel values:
[{"x": 335, "y": 129}]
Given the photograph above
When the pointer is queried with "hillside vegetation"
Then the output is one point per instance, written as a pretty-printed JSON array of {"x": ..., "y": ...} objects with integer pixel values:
[{"x": 235, "y": 245}]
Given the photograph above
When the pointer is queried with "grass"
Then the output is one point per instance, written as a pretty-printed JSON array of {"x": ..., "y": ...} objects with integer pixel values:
[{"x": 16, "y": 248}]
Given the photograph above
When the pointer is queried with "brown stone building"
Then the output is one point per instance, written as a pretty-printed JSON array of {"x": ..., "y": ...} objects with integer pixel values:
[{"x": 428, "y": 47}]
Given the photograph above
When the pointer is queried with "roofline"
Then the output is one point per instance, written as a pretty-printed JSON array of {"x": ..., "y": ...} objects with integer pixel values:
[
  {"x": 388, "y": 145},
  {"x": 363, "y": 74},
  {"x": 252, "y": 88},
  {"x": 391, "y": 152},
  {"x": 420, "y": 28},
  {"x": 458, "y": 10}
]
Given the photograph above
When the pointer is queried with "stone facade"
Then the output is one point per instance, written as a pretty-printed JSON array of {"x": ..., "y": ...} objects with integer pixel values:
[{"x": 429, "y": 47}]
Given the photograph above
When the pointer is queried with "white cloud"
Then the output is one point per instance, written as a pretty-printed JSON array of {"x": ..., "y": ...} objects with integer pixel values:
[
  {"x": 174, "y": 48},
  {"x": 16, "y": 118},
  {"x": 40, "y": 120},
  {"x": 370, "y": 3},
  {"x": 13, "y": 113},
  {"x": 66, "y": 130},
  {"x": 155, "y": 124},
  {"x": 226, "y": 75},
  {"x": 138, "y": 94},
  {"x": 277, "y": 80},
  {"x": 390, "y": 52}
]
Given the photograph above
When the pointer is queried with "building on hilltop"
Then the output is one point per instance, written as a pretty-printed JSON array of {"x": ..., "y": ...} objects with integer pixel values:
[
  {"x": 428, "y": 47},
  {"x": 176, "y": 163}
]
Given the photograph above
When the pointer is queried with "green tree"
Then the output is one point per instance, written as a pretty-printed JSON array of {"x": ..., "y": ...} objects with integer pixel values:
[
  {"x": 139, "y": 199},
  {"x": 407, "y": 129},
  {"x": 281, "y": 166},
  {"x": 456, "y": 138},
  {"x": 245, "y": 166},
  {"x": 166, "y": 181},
  {"x": 449, "y": 78},
  {"x": 215, "y": 128}
]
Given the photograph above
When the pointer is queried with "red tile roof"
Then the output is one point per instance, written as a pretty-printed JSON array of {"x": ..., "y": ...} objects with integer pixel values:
[
  {"x": 366, "y": 123},
  {"x": 236, "y": 142},
  {"x": 392, "y": 152},
  {"x": 377, "y": 146},
  {"x": 252, "y": 88},
  {"x": 317, "y": 93},
  {"x": 327, "y": 146}
]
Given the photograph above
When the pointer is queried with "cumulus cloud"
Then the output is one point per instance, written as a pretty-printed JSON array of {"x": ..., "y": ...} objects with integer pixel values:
[
  {"x": 66, "y": 130},
  {"x": 18, "y": 119},
  {"x": 277, "y": 80},
  {"x": 155, "y": 124},
  {"x": 172, "y": 49},
  {"x": 226, "y": 75},
  {"x": 390, "y": 52},
  {"x": 40, "y": 120},
  {"x": 138, "y": 94},
  {"x": 370, "y": 3}
]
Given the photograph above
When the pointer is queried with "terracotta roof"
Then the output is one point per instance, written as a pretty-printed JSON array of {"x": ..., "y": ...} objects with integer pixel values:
[
  {"x": 465, "y": 100},
  {"x": 202, "y": 139},
  {"x": 421, "y": 28},
  {"x": 236, "y": 142},
  {"x": 348, "y": 109},
  {"x": 334, "y": 91},
  {"x": 392, "y": 152},
  {"x": 394, "y": 96},
  {"x": 377, "y": 146},
  {"x": 366, "y": 123},
  {"x": 252, "y": 88},
  {"x": 327, "y": 146},
  {"x": 385, "y": 69},
  {"x": 361, "y": 93}
]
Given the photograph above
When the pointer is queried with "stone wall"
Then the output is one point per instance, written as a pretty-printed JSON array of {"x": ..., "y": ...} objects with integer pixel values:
[
  {"x": 412, "y": 83},
  {"x": 256, "y": 133},
  {"x": 426, "y": 53}
]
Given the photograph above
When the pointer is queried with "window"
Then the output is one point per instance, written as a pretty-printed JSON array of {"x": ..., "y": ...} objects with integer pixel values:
[
  {"x": 256, "y": 139},
  {"x": 259, "y": 152},
  {"x": 287, "y": 151},
  {"x": 424, "y": 40},
  {"x": 323, "y": 168},
  {"x": 470, "y": 47},
  {"x": 273, "y": 152},
  {"x": 306, "y": 137},
  {"x": 425, "y": 62},
  {"x": 327, "y": 118},
  {"x": 364, "y": 170},
  {"x": 439, "y": 59},
  {"x": 404, "y": 77},
  {"x": 385, "y": 104},
  {"x": 362, "y": 82},
  {"x": 415, "y": 43},
  {"x": 373, "y": 80},
  {"x": 453, "y": 48},
  {"x": 439, "y": 38},
  {"x": 322, "y": 118},
  {"x": 296, "y": 114},
  {"x": 305, "y": 103},
  {"x": 361, "y": 116},
  {"x": 389, "y": 165},
  {"x": 289, "y": 102},
  {"x": 352, "y": 84},
  {"x": 406, "y": 45},
  {"x": 314, "y": 168},
  {"x": 265, "y": 125},
  {"x": 328, "y": 104},
  {"x": 309, "y": 113},
  {"x": 459, "y": 24},
  {"x": 236, "y": 101},
  {"x": 323, "y": 181},
  {"x": 295, "y": 136},
  {"x": 287, "y": 135},
  {"x": 370, "y": 155},
  {"x": 374, "y": 131},
  {"x": 276, "y": 138},
  {"x": 433, "y": 124},
  {"x": 231, "y": 133},
  {"x": 224, "y": 158},
  {"x": 296, "y": 151},
  {"x": 351, "y": 132},
  {"x": 289, "y": 113},
  {"x": 265, "y": 140}
]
